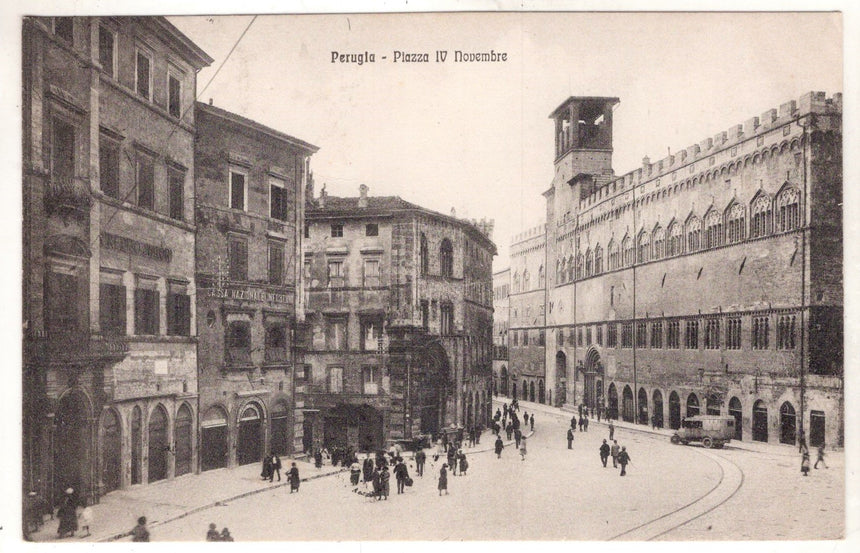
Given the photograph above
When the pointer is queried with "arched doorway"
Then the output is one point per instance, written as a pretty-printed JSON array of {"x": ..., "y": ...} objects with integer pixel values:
[
  {"x": 658, "y": 408},
  {"x": 643, "y": 406},
  {"x": 249, "y": 446},
  {"x": 503, "y": 384},
  {"x": 561, "y": 377},
  {"x": 674, "y": 411},
  {"x": 136, "y": 445},
  {"x": 612, "y": 410},
  {"x": 72, "y": 444},
  {"x": 280, "y": 429},
  {"x": 541, "y": 392},
  {"x": 183, "y": 439},
  {"x": 736, "y": 412},
  {"x": 430, "y": 388},
  {"x": 513, "y": 390},
  {"x": 592, "y": 373},
  {"x": 787, "y": 424},
  {"x": 712, "y": 405},
  {"x": 111, "y": 452},
  {"x": 158, "y": 444},
  {"x": 759, "y": 422},
  {"x": 532, "y": 391},
  {"x": 627, "y": 411},
  {"x": 213, "y": 439},
  {"x": 692, "y": 405}
]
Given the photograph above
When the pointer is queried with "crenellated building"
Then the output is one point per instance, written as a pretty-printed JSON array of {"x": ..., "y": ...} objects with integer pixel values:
[{"x": 709, "y": 281}]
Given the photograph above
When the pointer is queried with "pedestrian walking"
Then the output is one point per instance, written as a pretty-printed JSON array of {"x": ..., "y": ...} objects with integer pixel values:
[
  {"x": 443, "y": 479},
  {"x": 573, "y": 423},
  {"x": 377, "y": 483},
  {"x": 478, "y": 430},
  {"x": 420, "y": 459},
  {"x": 318, "y": 458},
  {"x": 599, "y": 412},
  {"x": 293, "y": 477},
  {"x": 518, "y": 435},
  {"x": 400, "y": 475},
  {"x": 509, "y": 430},
  {"x": 569, "y": 438},
  {"x": 804, "y": 463},
  {"x": 580, "y": 410},
  {"x": 523, "y": 449},
  {"x": 85, "y": 520},
  {"x": 452, "y": 461},
  {"x": 276, "y": 467},
  {"x": 604, "y": 453},
  {"x": 526, "y": 418},
  {"x": 499, "y": 447},
  {"x": 472, "y": 436},
  {"x": 225, "y": 535},
  {"x": 623, "y": 459},
  {"x": 611, "y": 430},
  {"x": 581, "y": 422},
  {"x": 384, "y": 481},
  {"x": 354, "y": 473},
  {"x": 140, "y": 532},
  {"x": 67, "y": 513},
  {"x": 266, "y": 472},
  {"x": 532, "y": 422},
  {"x": 614, "y": 451},
  {"x": 820, "y": 457},
  {"x": 367, "y": 469},
  {"x": 212, "y": 534},
  {"x": 464, "y": 464},
  {"x": 586, "y": 424}
]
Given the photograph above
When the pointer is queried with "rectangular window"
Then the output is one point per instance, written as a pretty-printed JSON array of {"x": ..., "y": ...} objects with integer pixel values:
[
  {"x": 627, "y": 335},
  {"x": 146, "y": 312},
  {"x": 371, "y": 333},
  {"x": 307, "y": 230},
  {"x": 611, "y": 335},
  {"x": 446, "y": 316},
  {"x": 335, "y": 336},
  {"x": 541, "y": 338},
  {"x": 641, "y": 335},
  {"x": 237, "y": 190},
  {"x": 112, "y": 308},
  {"x": 786, "y": 332},
  {"x": 174, "y": 94},
  {"x": 370, "y": 379},
  {"x": 276, "y": 263},
  {"x": 65, "y": 314},
  {"x": 238, "y": 344},
  {"x": 657, "y": 335},
  {"x": 335, "y": 274},
  {"x": 64, "y": 28},
  {"x": 143, "y": 75},
  {"x": 588, "y": 341},
  {"x": 176, "y": 194},
  {"x": 278, "y": 200},
  {"x": 733, "y": 333},
  {"x": 238, "y": 259},
  {"x": 691, "y": 340},
  {"x": 371, "y": 272},
  {"x": 760, "y": 332},
  {"x": 145, "y": 181},
  {"x": 109, "y": 167},
  {"x": 371, "y": 229},
  {"x": 673, "y": 334},
  {"x": 62, "y": 151},
  {"x": 106, "y": 50},
  {"x": 600, "y": 335},
  {"x": 712, "y": 334},
  {"x": 516, "y": 338},
  {"x": 425, "y": 314},
  {"x": 335, "y": 380},
  {"x": 277, "y": 346},
  {"x": 579, "y": 336},
  {"x": 525, "y": 337},
  {"x": 336, "y": 230},
  {"x": 178, "y": 314}
]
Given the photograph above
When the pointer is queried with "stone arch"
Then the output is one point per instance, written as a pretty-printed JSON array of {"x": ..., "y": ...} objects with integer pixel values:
[
  {"x": 158, "y": 438},
  {"x": 214, "y": 452},
  {"x": 110, "y": 434},
  {"x": 250, "y": 435},
  {"x": 674, "y": 410},
  {"x": 136, "y": 445},
  {"x": 787, "y": 423},
  {"x": 643, "y": 406},
  {"x": 628, "y": 412},
  {"x": 612, "y": 399},
  {"x": 759, "y": 422},
  {"x": 183, "y": 431},
  {"x": 736, "y": 411},
  {"x": 692, "y": 405},
  {"x": 657, "y": 402},
  {"x": 72, "y": 447}
]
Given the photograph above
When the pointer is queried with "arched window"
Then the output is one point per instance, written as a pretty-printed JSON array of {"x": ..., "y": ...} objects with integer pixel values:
[
  {"x": 736, "y": 223},
  {"x": 541, "y": 278},
  {"x": 614, "y": 255},
  {"x": 627, "y": 248},
  {"x": 598, "y": 260},
  {"x": 713, "y": 229},
  {"x": 658, "y": 243},
  {"x": 643, "y": 250},
  {"x": 692, "y": 405},
  {"x": 589, "y": 262},
  {"x": 675, "y": 241},
  {"x": 446, "y": 258},
  {"x": 579, "y": 263},
  {"x": 788, "y": 209},
  {"x": 694, "y": 234},
  {"x": 761, "y": 211},
  {"x": 570, "y": 268},
  {"x": 526, "y": 281},
  {"x": 425, "y": 255}
]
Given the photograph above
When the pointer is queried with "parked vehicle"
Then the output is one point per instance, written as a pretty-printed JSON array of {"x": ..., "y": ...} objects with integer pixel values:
[{"x": 711, "y": 430}]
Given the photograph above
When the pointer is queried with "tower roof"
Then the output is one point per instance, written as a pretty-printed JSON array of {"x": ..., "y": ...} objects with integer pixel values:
[{"x": 603, "y": 99}]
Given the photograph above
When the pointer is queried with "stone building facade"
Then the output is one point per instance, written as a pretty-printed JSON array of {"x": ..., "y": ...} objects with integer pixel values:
[
  {"x": 709, "y": 281},
  {"x": 501, "y": 326},
  {"x": 249, "y": 215},
  {"x": 110, "y": 366},
  {"x": 400, "y": 313}
]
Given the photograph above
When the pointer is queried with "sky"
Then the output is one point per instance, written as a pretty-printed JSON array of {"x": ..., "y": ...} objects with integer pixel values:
[{"x": 476, "y": 137}]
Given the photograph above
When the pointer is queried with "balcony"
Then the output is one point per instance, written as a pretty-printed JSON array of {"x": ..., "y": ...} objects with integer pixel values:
[
  {"x": 74, "y": 348},
  {"x": 68, "y": 197},
  {"x": 237, "y": 357}
]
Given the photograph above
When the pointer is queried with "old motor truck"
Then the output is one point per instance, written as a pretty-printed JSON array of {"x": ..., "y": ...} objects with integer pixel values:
[{"x": 711, "y": 430}]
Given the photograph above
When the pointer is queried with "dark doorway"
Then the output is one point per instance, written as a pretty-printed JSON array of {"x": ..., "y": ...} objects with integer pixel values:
[
  {"x": 592, "y": 372},
  {"x": 111, "y": 452},
  {"x": 612, "y": 410},
  {"x": 643, "y": 406},
  {"x": 514, "y": 390},
  {"x": 532, "y": 391},
  {"x": 136, "y": 446},
  {"x": 308, "y": 432},
  {"x": 158, "y": 446},
  {"x": 541, "y": 392},
  {"x": 213, "y": 439},
  {"x": 72, "y": 445},
  {"x": 280, "y": 429},
  {"x": 658, "y": 408},
  {"x": 249, "y": 448},
  {"x": 504, "y": 381},
  {"x": 627, "y": 407},
  {"x": 712, "y": 405},
  {"x": 183, "y": 438},
  {"x": 759, "y": 422},
  {"x": 736, "y": 412},
  {"x": 816, "y": 428},
  {"x": 561, "y": 377},
  {"x": 674, "y": 411},
  {"x": 787, "y": 424},
  {"x": 692, "y": 405}
]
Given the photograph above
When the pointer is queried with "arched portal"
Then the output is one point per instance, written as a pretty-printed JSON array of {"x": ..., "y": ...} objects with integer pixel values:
[
  {"x": 692, "y": 405},
  {"x": 658, "y": 408},
  {"x": 250, "y": 441},
  {"x": 280, "y": 428},
  {"x": 541, "y": 391},
  {"x": 674, "y": 411},
  {"x": 736, "y": 411},
  {"x": 787, "y": 424},
  {"x": 561, "y": 378},
  {"x": 136, "y": 445},
  {"x": 592, "y": 371},
  {"x": 183, "y": 436},
  {"x": 525, "y": 391},
  {"x": 430, "y": 389},
  {"x": 612, "y": 410},
  {"x": 643, "y": 406},
  {"x": 213, "y": 439},
  {"x": 503, "y": 384},
  {"x": 158, "y": 444},
  {"x": 111, "y": 451},
  {"x": 72, "y": 444},
  {"x": 759, "y": 422},
  {"x": 532, "y": 390},
  {"x": 627, "y": 412}
]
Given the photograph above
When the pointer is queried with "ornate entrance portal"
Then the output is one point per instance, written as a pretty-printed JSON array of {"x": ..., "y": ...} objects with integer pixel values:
[{"x": 592, "y": 373}]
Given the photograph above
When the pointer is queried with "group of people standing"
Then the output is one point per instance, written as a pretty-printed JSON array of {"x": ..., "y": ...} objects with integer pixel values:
[{"x": 272, "y": 466}]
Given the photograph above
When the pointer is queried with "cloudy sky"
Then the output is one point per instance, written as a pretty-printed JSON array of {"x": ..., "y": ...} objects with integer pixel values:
[{"x": 476, "y": 136}]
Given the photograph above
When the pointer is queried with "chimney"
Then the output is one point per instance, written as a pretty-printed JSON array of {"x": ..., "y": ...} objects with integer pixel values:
[
  {"x": 646, "y": 161},
  {"x": 323, "y": 195},
  {"x": 210, "y": 101},
  {"x": 362, "y": 195}
]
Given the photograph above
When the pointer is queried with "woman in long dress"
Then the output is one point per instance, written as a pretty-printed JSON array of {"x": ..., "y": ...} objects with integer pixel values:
[
  {"x": 443, "y": 479},
  {"x": 523, "y": 448}
]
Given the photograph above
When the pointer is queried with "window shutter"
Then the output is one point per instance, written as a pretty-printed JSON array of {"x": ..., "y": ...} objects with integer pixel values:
[{"x": 139, "y": 311}]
